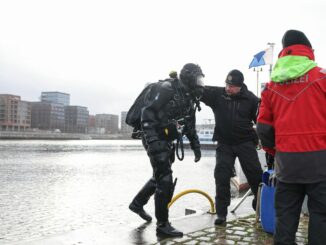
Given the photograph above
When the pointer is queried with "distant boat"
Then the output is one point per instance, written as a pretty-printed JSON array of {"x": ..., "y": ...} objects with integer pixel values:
[{"x": 205, "y": 138}]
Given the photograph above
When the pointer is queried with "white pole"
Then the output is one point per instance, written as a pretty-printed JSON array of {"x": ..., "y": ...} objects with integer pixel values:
[
  {"x": 241, "y": 201},
  {"x": 271, "y": 65},
  {"x": 257, "y": 80}
]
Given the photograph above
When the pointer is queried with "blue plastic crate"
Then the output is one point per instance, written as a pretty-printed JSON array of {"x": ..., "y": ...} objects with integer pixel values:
[
  {"x": 267, "y": 210},
  {"x": 267, "y": 197}
]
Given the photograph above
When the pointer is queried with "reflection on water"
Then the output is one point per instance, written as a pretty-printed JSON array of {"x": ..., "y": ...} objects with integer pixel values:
[{"x": 50, "y": 187}]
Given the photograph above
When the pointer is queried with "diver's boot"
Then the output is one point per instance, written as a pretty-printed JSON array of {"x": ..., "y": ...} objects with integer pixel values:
[
  {"x": 221, "y": 219},
  {"x": 167, "y": 230},
  {"x": 142, "y": 197},
  {"x": 140, "y": 211}
]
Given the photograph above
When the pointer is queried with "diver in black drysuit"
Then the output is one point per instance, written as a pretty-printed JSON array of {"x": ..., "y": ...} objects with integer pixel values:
[{"x": 169, "y": 113}]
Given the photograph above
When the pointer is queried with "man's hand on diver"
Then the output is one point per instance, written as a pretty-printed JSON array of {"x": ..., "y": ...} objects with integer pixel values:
[{"x": 197, "y": 153}]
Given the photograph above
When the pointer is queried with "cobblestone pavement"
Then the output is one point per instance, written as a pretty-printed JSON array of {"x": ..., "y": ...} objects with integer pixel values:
[{"x": 242, "y": 231}]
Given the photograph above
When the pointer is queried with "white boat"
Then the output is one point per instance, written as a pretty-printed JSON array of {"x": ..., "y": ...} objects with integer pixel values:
[{"x": 205, "y": 135}]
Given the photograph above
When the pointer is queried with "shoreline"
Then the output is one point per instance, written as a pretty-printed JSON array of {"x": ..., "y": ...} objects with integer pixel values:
[
  {"x": 47, "y": 135},
  {"x": 13, "y": 135},
  {"x": 41, "y": 135}
]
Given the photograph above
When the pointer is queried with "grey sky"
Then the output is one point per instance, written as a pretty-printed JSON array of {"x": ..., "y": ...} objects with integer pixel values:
[{"x": 103, "y": 52}]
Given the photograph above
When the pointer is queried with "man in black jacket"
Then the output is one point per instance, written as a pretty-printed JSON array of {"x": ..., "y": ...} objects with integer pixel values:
[
  {"x": 235, "y": 109},
  {"x": 169, "y": 113}
]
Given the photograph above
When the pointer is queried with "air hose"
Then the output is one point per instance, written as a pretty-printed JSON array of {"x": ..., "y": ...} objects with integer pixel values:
[
  {"x": 212, "y": 210},
  {"x": 180, "y": 145}
]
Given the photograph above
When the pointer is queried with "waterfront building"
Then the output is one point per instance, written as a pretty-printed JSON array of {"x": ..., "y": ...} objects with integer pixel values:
[
  {"x": 109, "y": 122},
  {"x": 76, "y": 119},
  {"x": 56, "y": 97},
  {"x": 92, "y": 129},
  {"x": 91, "y": 121},
  {"x": 15, "y": 114},
  {"x": 125, "y": 128},
  {"x": 48, "y": 116}
]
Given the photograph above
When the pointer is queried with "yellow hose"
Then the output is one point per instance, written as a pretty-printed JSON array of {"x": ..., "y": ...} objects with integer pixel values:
[{"x": 212, "y": 211}]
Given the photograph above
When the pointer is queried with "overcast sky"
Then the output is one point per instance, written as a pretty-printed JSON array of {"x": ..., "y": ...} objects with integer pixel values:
[{"x": 103, "y": 52}]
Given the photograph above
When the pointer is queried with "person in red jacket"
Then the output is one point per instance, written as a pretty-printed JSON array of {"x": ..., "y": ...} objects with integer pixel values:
[{"x": 292, "y": 125}]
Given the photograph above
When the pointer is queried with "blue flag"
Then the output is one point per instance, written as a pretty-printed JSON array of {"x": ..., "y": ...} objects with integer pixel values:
[{"x": 264, "y": 57}]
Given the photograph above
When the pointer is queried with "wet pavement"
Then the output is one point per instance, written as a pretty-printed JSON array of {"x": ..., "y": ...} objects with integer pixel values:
[{"x": 198, "y": 228}]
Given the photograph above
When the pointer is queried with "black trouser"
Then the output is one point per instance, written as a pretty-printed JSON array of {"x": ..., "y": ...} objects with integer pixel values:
[
  {"x": 161, "y": 184},
  {"x": 225, "y": 159},
  {"x": 288, "y": 204}
]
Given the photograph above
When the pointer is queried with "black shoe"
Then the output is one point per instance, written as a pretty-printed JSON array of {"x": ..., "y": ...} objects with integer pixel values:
[
  {"x": 140, "y": 211},
  {"x": 220, "y": 220},
  {"x": 165, "y": 229}
]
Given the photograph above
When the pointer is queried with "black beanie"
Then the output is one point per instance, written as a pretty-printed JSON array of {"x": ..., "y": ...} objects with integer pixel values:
[
  {"x": 235, "y": 78},
  {"x": 292, "y": 37}
]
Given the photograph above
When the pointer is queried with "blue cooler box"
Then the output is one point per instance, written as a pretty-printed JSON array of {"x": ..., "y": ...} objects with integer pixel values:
[{"x": 267, "y": 210}]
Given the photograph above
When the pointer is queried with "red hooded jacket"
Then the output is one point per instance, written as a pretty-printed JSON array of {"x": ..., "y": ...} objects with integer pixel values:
[{"x": 292, "y": 118}]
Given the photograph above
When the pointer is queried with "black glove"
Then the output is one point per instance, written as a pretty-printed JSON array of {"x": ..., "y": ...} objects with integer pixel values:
[
  {"x": 157, "y": 146},
  {"x": 269, "y": 160},
  {"x": 197, "y": 154}
]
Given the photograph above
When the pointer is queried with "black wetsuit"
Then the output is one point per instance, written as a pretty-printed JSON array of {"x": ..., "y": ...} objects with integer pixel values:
[{"x": 167, "y": 103}]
